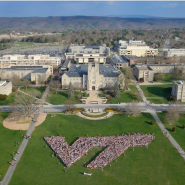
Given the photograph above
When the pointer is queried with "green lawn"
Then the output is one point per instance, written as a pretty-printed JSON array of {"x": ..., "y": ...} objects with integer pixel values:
[
  {"x": 168, "y": 77},
  {"x": 7, "y": 144},
  {"x": 30, "y": 89},
  {"x": 180, "y": 132},
  {"x": 160, "y": 92},
  {"x": 159, "y": 164},
  {"x": 9, "y": 100},
  {"x": 62, "y": 96},
  {"x": 127, "y": 96}
]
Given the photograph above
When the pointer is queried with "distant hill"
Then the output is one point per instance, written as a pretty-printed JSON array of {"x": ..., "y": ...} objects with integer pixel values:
[{"x": 89, "y": 22}]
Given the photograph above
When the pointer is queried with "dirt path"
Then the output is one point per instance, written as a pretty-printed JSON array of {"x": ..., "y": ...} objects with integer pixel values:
[{"x": 13, "y": 125}]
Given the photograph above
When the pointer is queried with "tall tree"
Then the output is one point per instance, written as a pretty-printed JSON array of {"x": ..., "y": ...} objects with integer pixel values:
[
  {"x": 172, "y": 115},
  {"x": 54, "y": 85},
  {"x": 116, "y": 90},
  {"x": 70, "y": 91},
  {"x": 132, "y": 109},
  {"x": 128, "y": 76}
]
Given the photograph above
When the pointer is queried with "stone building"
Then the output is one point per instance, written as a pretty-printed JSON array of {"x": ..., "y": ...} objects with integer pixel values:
[
  {"x": 147, "y": 71},
  {"x": 92, "y": 76},
  {"x": 33, "y": 73},
  {"x": 178, "y": 90},
  {"x": 118, "y": 62},
  {"x": 174, "y": 52},
  {"x": 86, "y": 54},
  {"x": 22, "y": 60},
  {"x": 5, "y": 87}
]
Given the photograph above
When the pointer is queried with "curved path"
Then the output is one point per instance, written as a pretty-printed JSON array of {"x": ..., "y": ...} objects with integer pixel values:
[{"x": 91, "y": 118}]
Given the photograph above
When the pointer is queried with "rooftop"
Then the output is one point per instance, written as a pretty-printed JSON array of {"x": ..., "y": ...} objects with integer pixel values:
[{"x": 118, "y": 59}]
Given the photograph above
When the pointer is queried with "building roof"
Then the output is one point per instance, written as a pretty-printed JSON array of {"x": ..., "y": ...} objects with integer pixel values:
[
  {"x": 77, "y": 70},
  {"x": 118, "y": 59},
  {"x": 65, "y": 64},
  {"x": 40, "y": 70}
]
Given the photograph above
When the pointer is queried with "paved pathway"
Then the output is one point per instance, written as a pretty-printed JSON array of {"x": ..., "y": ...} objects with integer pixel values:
[
  {"x": 155, "y": 83},
  {"x": 91, "y": 118}
]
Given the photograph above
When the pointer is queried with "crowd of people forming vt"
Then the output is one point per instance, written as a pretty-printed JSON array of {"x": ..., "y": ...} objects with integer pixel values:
[{"x": 115, "y": 146}]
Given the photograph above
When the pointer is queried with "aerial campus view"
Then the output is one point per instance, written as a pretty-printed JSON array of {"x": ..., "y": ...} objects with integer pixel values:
[{"x": 92, "y": 92}]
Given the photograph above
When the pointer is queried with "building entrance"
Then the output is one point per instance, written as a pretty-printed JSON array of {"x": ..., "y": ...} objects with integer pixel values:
[{"x": 93, "y": 88}]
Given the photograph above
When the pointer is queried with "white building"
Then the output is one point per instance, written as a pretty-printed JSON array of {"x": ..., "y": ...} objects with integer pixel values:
[
  {"x": 174, "y": 52},
  {"x": 86, "y": 54},
  {"x": 90, "y": 76},
  {"x": 178, "y": 90},
  {"x": 5, "y": 87},
  {"x": 19, "y": 60},
  {"x": 138, "y": 48}
]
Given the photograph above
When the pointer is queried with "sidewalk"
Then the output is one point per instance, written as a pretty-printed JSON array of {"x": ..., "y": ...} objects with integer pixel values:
[{"x": 91, "y": 118}]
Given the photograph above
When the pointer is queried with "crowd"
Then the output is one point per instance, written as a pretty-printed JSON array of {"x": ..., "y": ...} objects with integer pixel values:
[{"x": 115, "y": 146}]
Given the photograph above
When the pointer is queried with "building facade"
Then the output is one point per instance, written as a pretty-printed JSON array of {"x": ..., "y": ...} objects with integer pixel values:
[
  {"x": 92, "y": 76},
  {"x": 5, "y": 87},
  {"x": 174, "y": 52},
  {"x": 87, "y": 54},
  {"x": 19, "y": 60},
  {"x": 138, "y": 48},
  {"x": 178, "y": 90},
  {"x": 147, "y": 71},
  {"x": 33, "y": 73}
]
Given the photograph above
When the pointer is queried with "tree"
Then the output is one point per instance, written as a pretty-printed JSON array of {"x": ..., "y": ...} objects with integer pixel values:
[
  {"x": 116, "y": 90},
  {"x": 158, "y": 77},
  {"x": 70, "y": 91},
  {"x": 25, "y": 83},
  {"x": 69, "y": 106},
  {"x": 132, "y": 109},
  {"x": 172, "y": 115},
  {"x": 15, "y": 79},
  {"x": 128, "y": 76},
  {"x": 54, "y": 85},
  {"x": 121, "y": 81},
  {"x": 24, "y": 105}
]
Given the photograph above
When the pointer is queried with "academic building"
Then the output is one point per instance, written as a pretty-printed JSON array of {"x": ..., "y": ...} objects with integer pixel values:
[
  {"x": 178, "y": 90},
  {"x": 22, "y": 60},
  {"x": 137, "y": 48},
  {"x": 5, "y": 87},
  {"x": 88, "y": 54},
  {"x": 91, "y": 76}
]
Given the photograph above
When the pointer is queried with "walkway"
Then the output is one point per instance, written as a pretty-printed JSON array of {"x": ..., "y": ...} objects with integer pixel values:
[
  {"x": 155, "y": 83},
  {"x": 90, "y": 118},
  {"x": 161, "y": 126}
]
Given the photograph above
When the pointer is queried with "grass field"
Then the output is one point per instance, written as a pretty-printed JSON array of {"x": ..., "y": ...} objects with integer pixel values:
[
  {"x": 127, "y": 96},
  {"x": 62, "y": 96},
  {"x": 7, "y": 145},
  {"x": 41, "y": 89},
  {"x": 158, "y": 92},
  {"x": 168, "y": 77},
  {"x": 180, "y": 132},
  {"x": 9, "y": 100},
  {"x": 159, "y": 164}
]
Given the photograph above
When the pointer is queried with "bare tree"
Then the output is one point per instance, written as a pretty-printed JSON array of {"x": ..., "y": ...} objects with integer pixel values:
[
  {"x": 69, "y": 106},
  {"x": 121, "y": 81},
  {"x": 128, "y": 76},
  {"x": 132, "y": 109},
  {"x": 15, "y": 79},
  {"x": 54, "y": 85},
  {"x": 25, "y": 83},
  {"x": 24, "y": 105},
  {"x": 172, "y": 115}
]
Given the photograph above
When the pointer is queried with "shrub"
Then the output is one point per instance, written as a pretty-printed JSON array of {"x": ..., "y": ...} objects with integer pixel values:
[
  {"x": 33, "y": 82},
  {"x": 3, "y": 97},
  {"x": 183, "y": 126},
  {"x": 152, "y": 122},
  {"x": 171, "y": 98},
  {"x": 14, "y": 89},
  {"x": 142, "y": 79},
  {"x": 174, "y": 129}
]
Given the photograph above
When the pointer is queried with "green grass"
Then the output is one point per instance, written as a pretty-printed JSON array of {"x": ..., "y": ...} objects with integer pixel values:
[
  {"x": 9, "y": 100},
  {"x": 159, "y": 164},
  {"x": 127, "y": 96},
  {"x": 168, "y": 77},
  {"x": 62, "y": 96},
  {"x": 160, "y": 92},
  {"x": 30, "y": 89},
  {"x": 7, "y": 144},
  {"x": 180, "y": 132}
]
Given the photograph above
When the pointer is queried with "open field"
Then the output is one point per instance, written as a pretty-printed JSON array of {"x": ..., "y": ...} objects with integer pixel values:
[
  {"x": 127, "y": 96},
  {"x": 7, "y": 145},
  {"x": 157, "y": 93},
  {"x": 30, "y": 89},
  {"x": 62, "y": 96},
  {"x": 159, "y": 164},
  {"x": 180, "y": 132}
]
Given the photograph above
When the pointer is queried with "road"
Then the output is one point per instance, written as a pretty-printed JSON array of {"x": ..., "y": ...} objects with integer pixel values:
[{"x": 167, "y": 44}]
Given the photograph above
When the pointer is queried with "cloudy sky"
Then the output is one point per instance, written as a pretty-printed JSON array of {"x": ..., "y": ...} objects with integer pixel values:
[{"x": 92, "y": 8}]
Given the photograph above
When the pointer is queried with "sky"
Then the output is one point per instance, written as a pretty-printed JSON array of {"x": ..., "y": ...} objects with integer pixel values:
[{"x": 172, "y": 9}]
